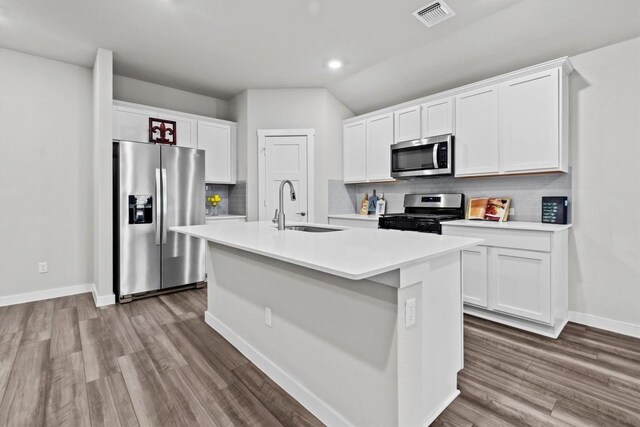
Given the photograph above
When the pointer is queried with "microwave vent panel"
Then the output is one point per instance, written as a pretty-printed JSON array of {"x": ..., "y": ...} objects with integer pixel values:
[{"x": 434, "y": 13}]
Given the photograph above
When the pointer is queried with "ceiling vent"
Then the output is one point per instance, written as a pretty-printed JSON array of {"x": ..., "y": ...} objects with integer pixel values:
[{"x": 434, "y": 13}]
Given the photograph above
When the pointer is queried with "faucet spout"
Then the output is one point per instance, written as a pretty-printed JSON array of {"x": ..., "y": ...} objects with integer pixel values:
[{"x": 281, "y": 224}]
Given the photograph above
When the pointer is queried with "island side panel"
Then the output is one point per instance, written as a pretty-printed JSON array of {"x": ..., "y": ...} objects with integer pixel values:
[
  {"x": 430, "y": 352},
  {"x": 332, "y": 336}
]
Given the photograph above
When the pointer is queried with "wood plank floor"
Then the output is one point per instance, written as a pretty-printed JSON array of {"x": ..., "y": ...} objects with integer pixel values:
[
  {"x": 587, "y": 377},
  {"x": 155, "y": 362}
]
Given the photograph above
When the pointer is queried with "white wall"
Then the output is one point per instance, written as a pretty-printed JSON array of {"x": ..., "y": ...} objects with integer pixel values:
[
  {"x": 141, "y": 92},
  {"x": 46, "y": 199},
  {"x": 103, "y": 177},
  {"x": 238, "y": 111},
  {"x": 296, "y": 109},
  {"x": 605, "y": 142}
]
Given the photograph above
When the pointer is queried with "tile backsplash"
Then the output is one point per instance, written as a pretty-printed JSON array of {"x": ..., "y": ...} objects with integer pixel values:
[
  {"x": 234, "y": 198},
  {"x": 526, "y": 192},
  {"x": 238, "y": 198}
]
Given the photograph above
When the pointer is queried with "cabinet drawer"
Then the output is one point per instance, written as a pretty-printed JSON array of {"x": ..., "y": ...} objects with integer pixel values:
[{"x": 516, "y": 239}]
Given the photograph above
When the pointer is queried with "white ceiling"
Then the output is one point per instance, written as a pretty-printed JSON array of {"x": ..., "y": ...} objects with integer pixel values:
[{"x": 219, "y": 48}]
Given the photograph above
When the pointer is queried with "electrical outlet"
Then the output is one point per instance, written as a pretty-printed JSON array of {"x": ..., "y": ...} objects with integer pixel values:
[
  {"x": 267, "y": 316},
  {"x": 410, "y": 312},
  {"x": 512, "y": 211},
  {"x": 43, "y": 267}
]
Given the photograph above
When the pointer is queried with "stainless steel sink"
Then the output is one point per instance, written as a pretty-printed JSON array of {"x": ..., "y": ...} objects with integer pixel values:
[{"x": 311, "y": 229}]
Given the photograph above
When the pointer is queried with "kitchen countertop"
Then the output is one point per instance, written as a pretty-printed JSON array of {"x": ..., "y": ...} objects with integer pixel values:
[
  {"x": 219, "y": 217},
  {"x": 509, "y": 225},
  {"x": 352, "y": 253},
  {"x": 355, "y": 216}
]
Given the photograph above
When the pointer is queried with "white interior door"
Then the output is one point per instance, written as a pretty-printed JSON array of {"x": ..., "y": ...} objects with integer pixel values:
[{"x": 286, "y": 157}]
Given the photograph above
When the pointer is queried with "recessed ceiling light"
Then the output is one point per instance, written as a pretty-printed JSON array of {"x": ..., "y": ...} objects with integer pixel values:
[{"x": 334, "y": 64}]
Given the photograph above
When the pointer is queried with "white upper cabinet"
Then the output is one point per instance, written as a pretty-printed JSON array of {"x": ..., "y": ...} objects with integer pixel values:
[
  {"x": 132, "y": 123},
  {"x": 216, "y": 137},
  {"x": 355, "y": 152},
  {"x": 218, "y": 142},
  {"x": 186, "y": 130},
  {"x": 510, "y": 124},
  {"x": 477, "y": 150},
  {"x": 529, "y": 114},
  {"x": 367, "y": 149},
  {"x": 437, "y": 117},
  {"x": 379, "y": 140},
  {"x": 407, "y": 124}
]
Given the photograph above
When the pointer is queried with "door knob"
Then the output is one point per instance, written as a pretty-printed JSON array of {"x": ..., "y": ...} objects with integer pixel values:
[{"x": 301, "y": 213}]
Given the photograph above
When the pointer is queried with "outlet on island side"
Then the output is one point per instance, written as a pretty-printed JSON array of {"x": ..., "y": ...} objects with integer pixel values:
[
  {"x": 43, "y": 267},
  {"x": 267, "y": 316},
  {"x": 410, "y": 312}
]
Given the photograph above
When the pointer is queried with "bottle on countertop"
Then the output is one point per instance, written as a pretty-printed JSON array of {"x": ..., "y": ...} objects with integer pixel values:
[
  {"x": 364, "y": 205},
  {"x": 373, "y": 203}
]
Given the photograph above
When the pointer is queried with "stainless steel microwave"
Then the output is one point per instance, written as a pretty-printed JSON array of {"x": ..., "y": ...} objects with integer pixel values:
[{"x": 422, "y": 158}]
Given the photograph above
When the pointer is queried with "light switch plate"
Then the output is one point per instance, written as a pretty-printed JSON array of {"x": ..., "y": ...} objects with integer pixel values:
[
  {"x": 410, "y": 312},
  {"x": 267, "y": 316}
]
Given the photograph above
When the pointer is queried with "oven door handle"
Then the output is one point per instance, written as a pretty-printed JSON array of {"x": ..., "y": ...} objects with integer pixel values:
[{"x": 435, "y": 155}]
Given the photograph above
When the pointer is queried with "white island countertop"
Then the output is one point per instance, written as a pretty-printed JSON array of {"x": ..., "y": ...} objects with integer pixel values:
[{"x": 351, "y": 253}]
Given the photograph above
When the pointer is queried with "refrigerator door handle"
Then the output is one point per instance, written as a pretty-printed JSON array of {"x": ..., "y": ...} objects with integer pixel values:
[
  {"x": 164, "y": 206},
  {"x": 157, "y": 206}
]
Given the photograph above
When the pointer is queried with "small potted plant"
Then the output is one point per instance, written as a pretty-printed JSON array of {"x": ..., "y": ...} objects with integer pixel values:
[{"x": 213, "y": 201}]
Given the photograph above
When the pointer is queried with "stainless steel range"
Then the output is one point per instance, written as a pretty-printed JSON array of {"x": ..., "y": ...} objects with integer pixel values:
[{"x": 425, "y": 212}]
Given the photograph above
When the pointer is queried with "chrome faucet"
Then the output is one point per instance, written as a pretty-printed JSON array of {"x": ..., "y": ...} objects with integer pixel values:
[{"x": 279, "y": 215}]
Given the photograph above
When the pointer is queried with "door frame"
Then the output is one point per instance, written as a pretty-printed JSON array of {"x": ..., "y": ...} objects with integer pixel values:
[{"x": 263, "y": 215}]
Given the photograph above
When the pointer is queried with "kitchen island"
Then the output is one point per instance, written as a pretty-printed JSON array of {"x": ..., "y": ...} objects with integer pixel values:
[{"x": 362, "y": 327}]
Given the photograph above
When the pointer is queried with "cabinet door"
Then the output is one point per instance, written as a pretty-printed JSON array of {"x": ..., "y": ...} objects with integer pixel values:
[
  {"x": 520, "y": 283},
  {"x": 530, "y": 121},
  {"x": 477, "y": 132},
  {"x": 437, "y": 117},
  {"x": 407, "y": 124},
  {"x": 475, "y": 276},
  {"x": 131, "y": 124},
  {"x": 354, "y": 145},
  {"x": 379, "y": 140},
  {"x": 186, "y": 130},
  {"x": 215, "y": 140}
]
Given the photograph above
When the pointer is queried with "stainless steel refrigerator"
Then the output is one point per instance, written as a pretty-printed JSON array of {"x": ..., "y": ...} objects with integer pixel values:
[{"x": 156, "y": 187}]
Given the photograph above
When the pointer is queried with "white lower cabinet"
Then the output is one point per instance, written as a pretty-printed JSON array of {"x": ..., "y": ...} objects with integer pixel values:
[
  {"x": 520, "y": 283},
  {"x": 474, "y": 276},
  {"x": 518, "y": 277}
]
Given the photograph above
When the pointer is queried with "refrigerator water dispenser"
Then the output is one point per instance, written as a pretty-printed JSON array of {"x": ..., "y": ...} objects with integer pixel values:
[{"x": 140, "y": 209}]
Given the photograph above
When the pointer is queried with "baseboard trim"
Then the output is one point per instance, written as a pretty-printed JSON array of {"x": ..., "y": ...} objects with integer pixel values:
[
  {"x": 610, "y": 325},
  {"x": 102, "y": 300},
  {"x": 46, "y": 294},
  {"x": 435, "y": 414},
  {"x": 313, "y": 403}
]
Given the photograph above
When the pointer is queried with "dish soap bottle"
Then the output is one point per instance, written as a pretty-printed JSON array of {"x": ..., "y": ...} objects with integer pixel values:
[
  {"x": 364, "y": 205},
  {"x": 373, "y": 203}
]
